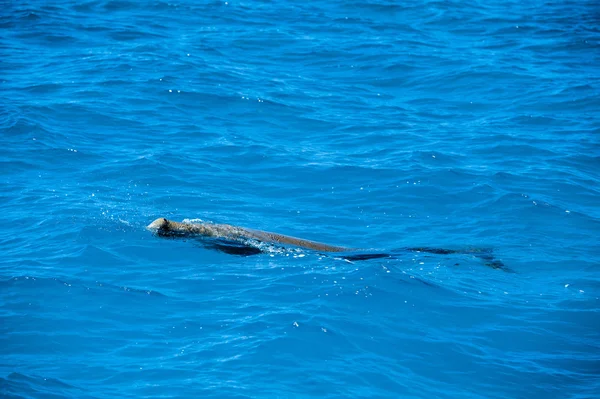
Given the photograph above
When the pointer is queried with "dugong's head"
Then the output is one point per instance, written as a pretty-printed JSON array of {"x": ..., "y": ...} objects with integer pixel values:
[{"x": 160, "y": 225}]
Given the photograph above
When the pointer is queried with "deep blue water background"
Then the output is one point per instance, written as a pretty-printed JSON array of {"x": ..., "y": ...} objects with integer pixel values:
[{"x": 370, "y": 124}]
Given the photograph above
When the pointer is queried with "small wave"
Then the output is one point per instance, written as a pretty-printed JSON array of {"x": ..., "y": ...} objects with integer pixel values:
[
  {"x": 31, "y": 385},
  {"x": 49, "y": 282}
]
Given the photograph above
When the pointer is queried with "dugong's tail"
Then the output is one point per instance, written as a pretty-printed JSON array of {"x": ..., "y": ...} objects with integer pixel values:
[{"x": 485, "y": 254}]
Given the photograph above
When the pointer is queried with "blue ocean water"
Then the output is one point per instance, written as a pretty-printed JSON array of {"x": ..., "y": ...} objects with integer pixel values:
[{"x": 372, "y": 124}]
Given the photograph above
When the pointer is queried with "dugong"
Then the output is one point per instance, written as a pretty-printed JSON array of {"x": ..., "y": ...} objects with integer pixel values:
[{"x": 165, "y": 227}]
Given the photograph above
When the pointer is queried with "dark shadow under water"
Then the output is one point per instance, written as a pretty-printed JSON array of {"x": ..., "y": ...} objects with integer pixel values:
[{"x": 484, "y": 254}]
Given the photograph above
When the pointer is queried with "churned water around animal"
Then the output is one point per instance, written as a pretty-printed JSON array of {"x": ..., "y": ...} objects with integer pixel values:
[{"x": 372, "y": 124}]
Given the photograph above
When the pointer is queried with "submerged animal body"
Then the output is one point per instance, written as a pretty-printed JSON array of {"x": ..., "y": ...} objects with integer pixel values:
[{"x": 242, "y": 235}]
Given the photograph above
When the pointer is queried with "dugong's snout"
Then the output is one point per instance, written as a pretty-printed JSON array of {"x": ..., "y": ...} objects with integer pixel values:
[{"x": 160, "y": 225}]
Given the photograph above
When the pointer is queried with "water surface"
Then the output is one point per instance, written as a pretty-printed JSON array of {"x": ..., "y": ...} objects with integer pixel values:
[{"x": 366, "y": 124}]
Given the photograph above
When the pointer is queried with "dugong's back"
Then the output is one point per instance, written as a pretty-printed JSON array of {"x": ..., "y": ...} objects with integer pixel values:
[{"x": 266, "y": 236}]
